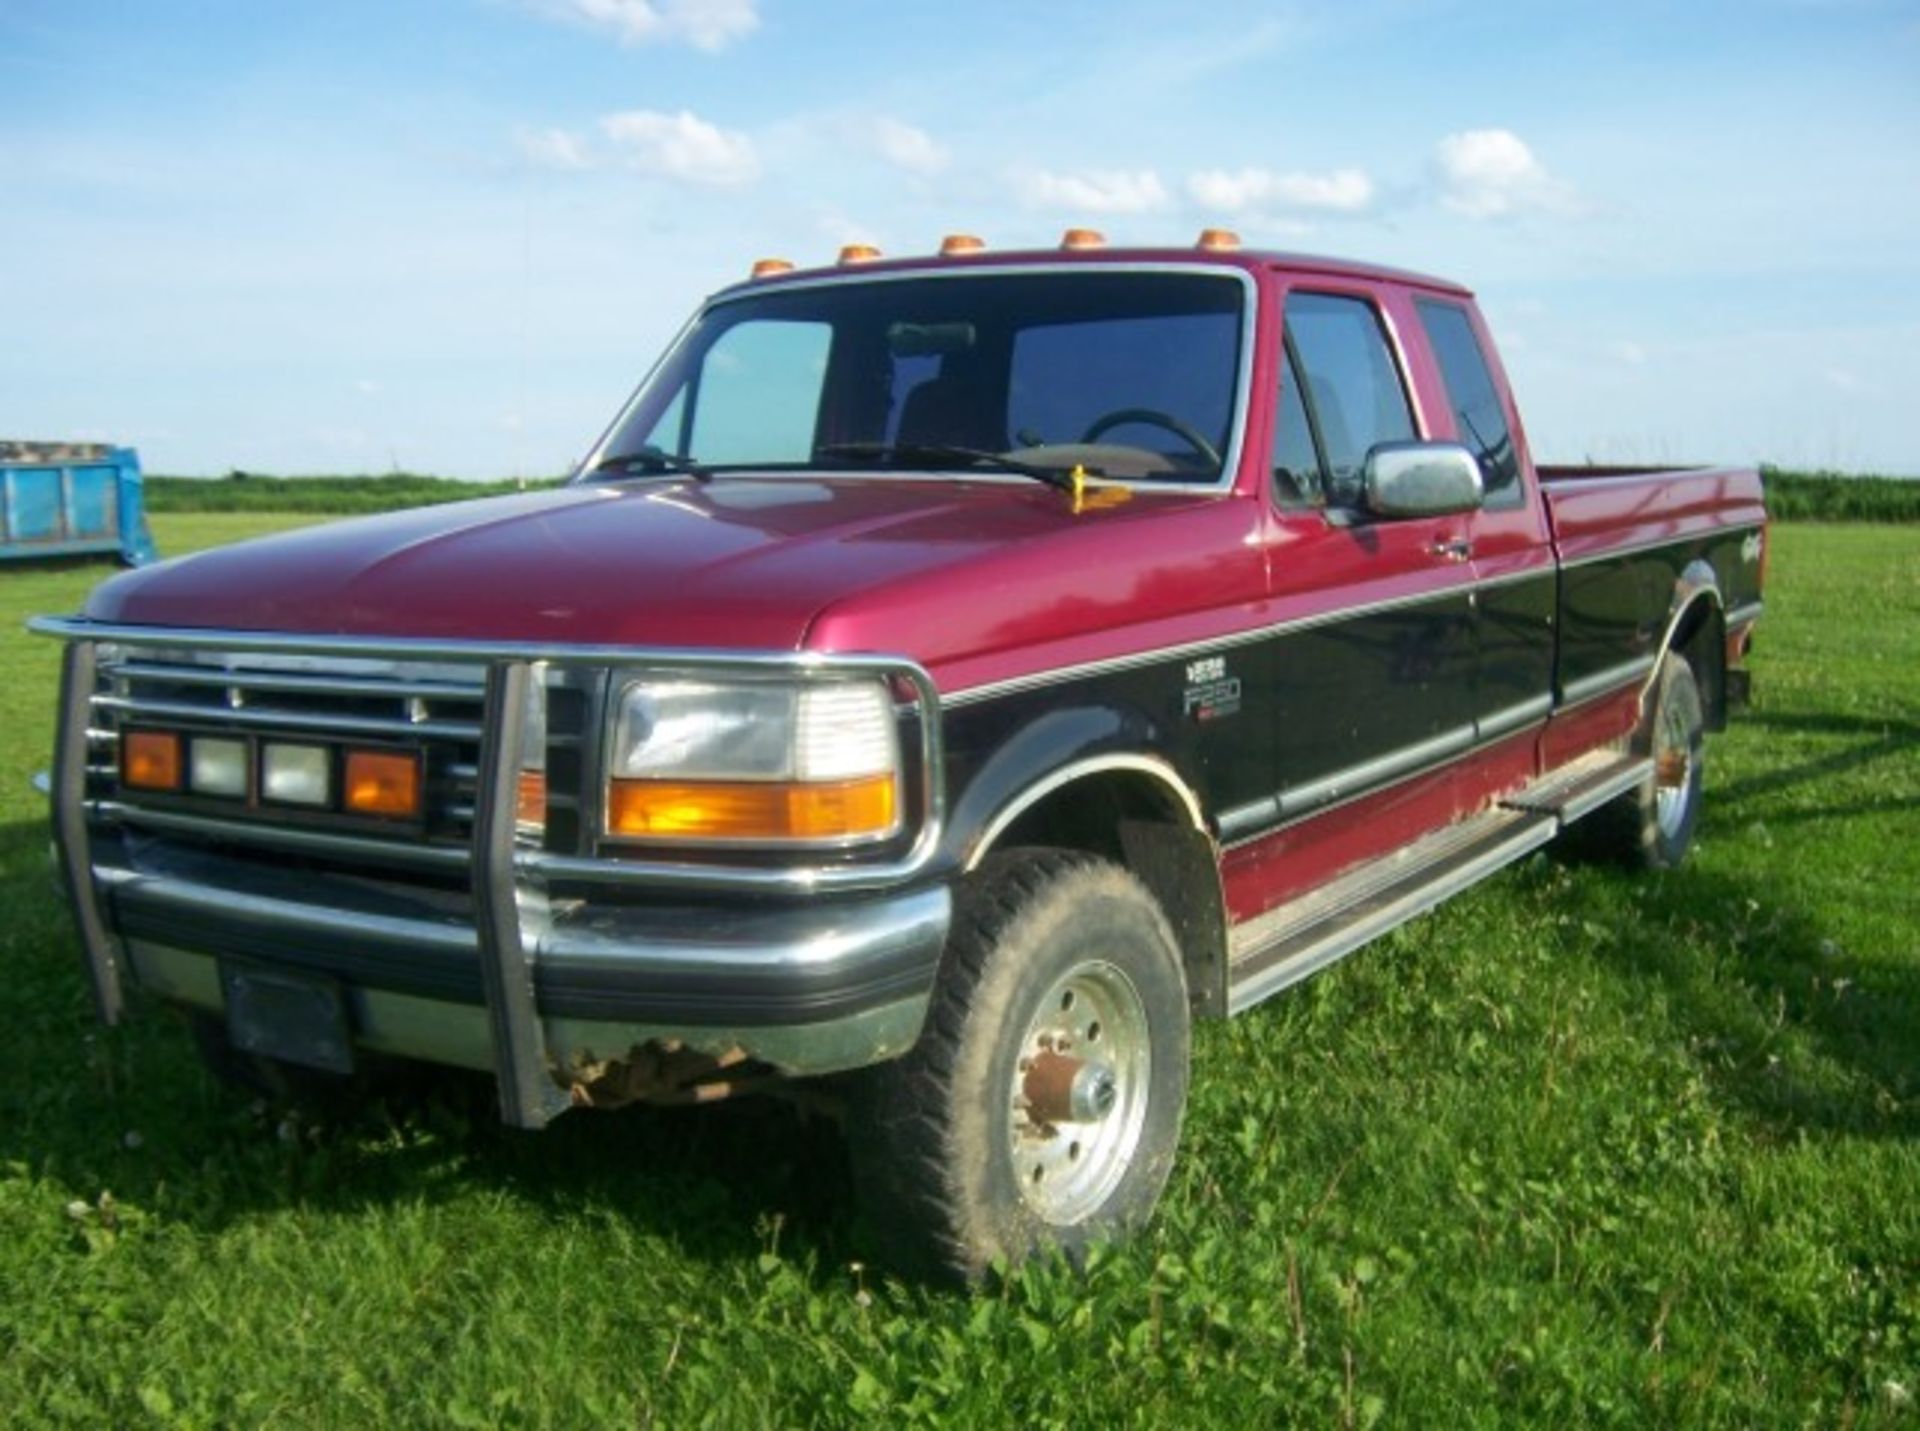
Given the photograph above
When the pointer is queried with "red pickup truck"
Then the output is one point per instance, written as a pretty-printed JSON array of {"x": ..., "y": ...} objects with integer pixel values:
[{"x": 945, "y": 680}]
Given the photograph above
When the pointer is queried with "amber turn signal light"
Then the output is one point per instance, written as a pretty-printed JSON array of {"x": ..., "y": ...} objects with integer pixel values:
[
  {"x": 150, "y": 760},
  {"x": 953, "y": 245},
  {"x": 383, "y": 782},
  {"x": 530, "y": 804},
  {"x": 768, "y": 267},
  {"x": 859, "y": 253},
  {"x": 1218, "y": 239},
  {"x": 1083, "y": 238},
  {"x": 865, "y": 808}
]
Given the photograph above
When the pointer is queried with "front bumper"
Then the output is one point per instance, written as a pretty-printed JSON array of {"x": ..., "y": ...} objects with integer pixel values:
[
  {"x": 805, "y": 987},
  {"x": 801, "y": 971}
]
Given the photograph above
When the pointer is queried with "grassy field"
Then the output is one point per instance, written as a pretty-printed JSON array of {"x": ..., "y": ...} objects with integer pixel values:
[
  {"x": 1581, "y": 1147},
  {"x": 317, "y": 496},
  {"x": 1840, "y": 497}
]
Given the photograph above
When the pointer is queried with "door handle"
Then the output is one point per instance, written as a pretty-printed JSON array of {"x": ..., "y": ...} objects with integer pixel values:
[{"x": 1452, "y": 548}]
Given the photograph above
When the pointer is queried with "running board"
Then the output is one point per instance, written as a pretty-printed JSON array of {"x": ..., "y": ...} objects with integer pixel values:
[
  {"x": 1283, "y": 946},
  {"x": 1582, "y": 786}
]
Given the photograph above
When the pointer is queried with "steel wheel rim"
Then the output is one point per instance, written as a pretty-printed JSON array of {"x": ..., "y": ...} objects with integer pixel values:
[
  {"x": 1673, "y": 765},
  {"x": 1092, "y": 1017}
]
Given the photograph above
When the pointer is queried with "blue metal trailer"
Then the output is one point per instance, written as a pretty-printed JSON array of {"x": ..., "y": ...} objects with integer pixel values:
[{"x": 71, "y": 499}]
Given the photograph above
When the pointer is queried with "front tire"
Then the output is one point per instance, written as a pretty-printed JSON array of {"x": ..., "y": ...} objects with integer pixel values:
[{"x": 1041, "y": 1107}]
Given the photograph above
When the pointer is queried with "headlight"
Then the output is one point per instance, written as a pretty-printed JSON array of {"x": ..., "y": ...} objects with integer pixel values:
[{"x": 755, "y": 762}]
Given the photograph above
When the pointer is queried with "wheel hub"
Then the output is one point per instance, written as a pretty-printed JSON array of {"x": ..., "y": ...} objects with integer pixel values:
[
  {"x": 1060, "y": 1089},
  {"x": 1079, "y": 1092}
]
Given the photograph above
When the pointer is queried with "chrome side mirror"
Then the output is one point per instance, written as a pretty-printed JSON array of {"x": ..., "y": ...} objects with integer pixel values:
[{"x": 1422, "y": 479}]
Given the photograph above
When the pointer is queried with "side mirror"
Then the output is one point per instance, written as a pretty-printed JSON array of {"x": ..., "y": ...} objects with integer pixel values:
[{"x": 1422, "y": 479}]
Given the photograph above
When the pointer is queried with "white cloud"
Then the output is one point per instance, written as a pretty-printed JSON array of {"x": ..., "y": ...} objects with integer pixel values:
[
  {"x": 1094, "y": 191},
  {"x": 1340, "y": 191},
  {"x": 1632, "y": 354},
  {"x": 553, "y": 149},
  {"x": 1492, "y": 174},
  {"x": 839, "y": 227},
  {"x": 681, "y": 146},
  {"x": 906, "y": 147},
  {"x": 704, "y": 24}
]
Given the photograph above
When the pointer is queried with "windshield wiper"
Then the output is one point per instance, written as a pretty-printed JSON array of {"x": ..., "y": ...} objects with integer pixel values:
[
  {"x": 649, "y": 461},
  {"x": 917, "y": 453}
]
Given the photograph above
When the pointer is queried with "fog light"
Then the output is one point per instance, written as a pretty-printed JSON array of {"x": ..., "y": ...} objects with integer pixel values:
[
  {"x": 150, "y": 759},
  {"x": 297, "y": 774},
  {"x": 218, "y": 767},
  {"x": 381, "y": 782}
]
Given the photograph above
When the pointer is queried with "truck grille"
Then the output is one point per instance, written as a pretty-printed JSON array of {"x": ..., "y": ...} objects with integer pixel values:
[{"x": 332, "y": 702}]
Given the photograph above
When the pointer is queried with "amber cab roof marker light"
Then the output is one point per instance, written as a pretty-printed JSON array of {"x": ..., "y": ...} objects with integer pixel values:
[
  {"x": 1218, "y": 240},
  {"x": 859, "y": 253},
  {"x": 768, "y": 267},
  {"x": 1083, "y": 238},
  {"x": 957, "y": 245}
]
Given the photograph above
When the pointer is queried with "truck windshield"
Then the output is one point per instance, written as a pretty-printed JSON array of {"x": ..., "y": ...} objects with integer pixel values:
[{"x": 1131, "y": 374}]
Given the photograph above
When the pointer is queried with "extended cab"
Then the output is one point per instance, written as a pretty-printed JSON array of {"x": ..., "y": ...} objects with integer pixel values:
[{"x": 955, "y": 674}]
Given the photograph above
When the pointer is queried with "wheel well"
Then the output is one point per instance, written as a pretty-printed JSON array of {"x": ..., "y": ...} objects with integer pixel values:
[
  {"x": 1700, "y": 637},
  {"x": 1144, "y": 825}
]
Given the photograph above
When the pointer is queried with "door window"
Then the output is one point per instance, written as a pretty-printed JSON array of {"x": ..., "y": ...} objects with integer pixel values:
[
  {"x": 1298, "y": 478},
  {"x": 1352, "y": 389}
]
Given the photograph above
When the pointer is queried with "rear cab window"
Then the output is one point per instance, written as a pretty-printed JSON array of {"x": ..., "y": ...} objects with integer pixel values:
[{"x": 1479, "y": 420}]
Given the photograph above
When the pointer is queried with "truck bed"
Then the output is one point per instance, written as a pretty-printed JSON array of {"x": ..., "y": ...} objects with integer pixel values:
[{"x": 1594, "y": 510}]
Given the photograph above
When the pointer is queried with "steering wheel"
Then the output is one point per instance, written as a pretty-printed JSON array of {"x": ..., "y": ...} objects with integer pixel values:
[{"x": 1153, "y": 417}]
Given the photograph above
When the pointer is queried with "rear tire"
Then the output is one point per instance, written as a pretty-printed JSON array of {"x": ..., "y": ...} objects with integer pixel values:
[
  {"x": 1041, "y": 1107},
  {"x": 1652, "y": 825}
]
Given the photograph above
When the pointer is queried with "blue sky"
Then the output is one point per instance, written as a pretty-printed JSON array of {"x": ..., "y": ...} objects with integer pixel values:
[{"x": 449, "y": 235}]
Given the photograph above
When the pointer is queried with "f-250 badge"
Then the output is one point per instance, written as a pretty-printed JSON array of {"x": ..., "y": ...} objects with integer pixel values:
[{"x": 1211, "y": 693}]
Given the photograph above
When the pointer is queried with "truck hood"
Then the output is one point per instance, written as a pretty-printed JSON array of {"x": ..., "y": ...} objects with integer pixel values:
[{"x": 740, "y": 563}]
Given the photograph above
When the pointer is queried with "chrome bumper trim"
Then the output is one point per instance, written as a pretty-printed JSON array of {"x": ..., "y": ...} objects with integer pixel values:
[{"x": 410, "y": 1026}]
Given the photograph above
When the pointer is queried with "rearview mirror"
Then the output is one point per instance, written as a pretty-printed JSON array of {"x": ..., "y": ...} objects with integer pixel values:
[
  {"x": 929, "y": 340},
  {"x": 1422, "y": 479}
]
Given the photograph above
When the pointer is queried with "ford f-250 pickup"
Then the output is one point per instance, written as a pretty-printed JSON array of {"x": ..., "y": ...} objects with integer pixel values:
[{"x": 950, "y": 675}]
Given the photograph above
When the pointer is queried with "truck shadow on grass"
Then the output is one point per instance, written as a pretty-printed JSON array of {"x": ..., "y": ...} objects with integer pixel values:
[
  {"x": 1785, "y": 1025},
  {"x": 1875, "y": 740},
  {"x": 130, "y": 1111}
]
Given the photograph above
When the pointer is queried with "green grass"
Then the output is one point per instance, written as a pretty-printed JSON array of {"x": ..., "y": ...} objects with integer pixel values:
[
  {"x": 252, "y": 492},
  {"x": 1581, "y": 1147}
]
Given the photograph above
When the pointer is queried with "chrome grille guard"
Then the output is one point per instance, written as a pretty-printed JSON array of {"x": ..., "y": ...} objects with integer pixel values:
[{"x": 501, "y": 869}]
